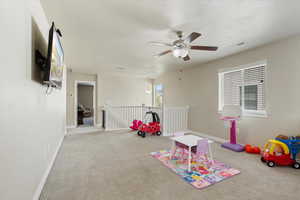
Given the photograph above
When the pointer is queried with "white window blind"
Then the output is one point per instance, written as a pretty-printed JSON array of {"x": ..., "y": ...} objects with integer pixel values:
[
  {"x": 232, "y": 83},
  {"x": 244, "y": 87},
  {"x": 255, "y": 77}
]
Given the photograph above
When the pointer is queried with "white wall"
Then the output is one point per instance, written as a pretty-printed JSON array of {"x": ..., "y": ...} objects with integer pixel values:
[
  {"x": 112, "y": 90},
  {"x": 32, "y": 124},
  {"x": 122, "y": 90},
  {"x": 198, "y": 87},
  {"x": 118, "y": 90}
]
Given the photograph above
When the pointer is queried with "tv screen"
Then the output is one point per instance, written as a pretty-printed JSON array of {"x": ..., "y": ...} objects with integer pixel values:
[{"x": 55, "y": 59}]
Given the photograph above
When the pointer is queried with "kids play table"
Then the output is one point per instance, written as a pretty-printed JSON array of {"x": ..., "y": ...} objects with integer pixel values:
[{"x": 190, "y": 141}]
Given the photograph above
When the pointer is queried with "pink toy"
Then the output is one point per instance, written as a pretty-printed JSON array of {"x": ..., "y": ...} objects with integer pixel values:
[
  {"x": 136, "y": 124},
  {"x": 201, "y": 153},
  {"x": 232, "y": 113},
  {"x": 232, "y": 144},
  {"x": 202, "y": 148},
  {"x": 150, "y": 125}
]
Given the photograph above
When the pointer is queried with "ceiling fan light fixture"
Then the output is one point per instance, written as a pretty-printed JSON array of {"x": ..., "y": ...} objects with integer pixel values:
[
  {"x": 182, "y": 46},
  {"x": 180, "y": 52}
]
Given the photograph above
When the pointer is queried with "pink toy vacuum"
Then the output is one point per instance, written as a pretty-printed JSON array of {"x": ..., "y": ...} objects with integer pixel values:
[{"x": 232, "y": 113}]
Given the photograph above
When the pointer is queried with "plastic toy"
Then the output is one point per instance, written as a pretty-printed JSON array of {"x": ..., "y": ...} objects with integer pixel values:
[
  {"x": 282, "y": 152},
  {"x": 151, "y": 125},
  {"x": 232, "y": 113},
  {"x": 136, "y": 124},
  {"x": 252, "y": 149}
]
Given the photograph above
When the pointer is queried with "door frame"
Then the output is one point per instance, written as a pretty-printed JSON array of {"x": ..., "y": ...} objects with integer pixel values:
[{"x": 90, "y": 83}]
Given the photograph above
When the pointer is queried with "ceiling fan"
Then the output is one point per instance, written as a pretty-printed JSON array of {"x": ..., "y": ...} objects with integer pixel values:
[{"x": 181, "y": 47}]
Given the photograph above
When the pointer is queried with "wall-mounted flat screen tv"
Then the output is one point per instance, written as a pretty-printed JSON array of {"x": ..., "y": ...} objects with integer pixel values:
[{"x": 54, "y": 68}]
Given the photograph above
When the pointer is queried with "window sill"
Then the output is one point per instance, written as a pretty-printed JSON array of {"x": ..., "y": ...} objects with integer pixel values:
[
  {"x": 259, "y": 114},
  {"x": 250, "y": 113}
]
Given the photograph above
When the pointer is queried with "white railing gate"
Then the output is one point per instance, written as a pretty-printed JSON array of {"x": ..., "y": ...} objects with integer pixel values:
[{"x": 173, "y": 119}]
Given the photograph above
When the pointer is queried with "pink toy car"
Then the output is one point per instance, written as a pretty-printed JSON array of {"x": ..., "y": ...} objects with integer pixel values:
[{"x": 150, "y": 125}]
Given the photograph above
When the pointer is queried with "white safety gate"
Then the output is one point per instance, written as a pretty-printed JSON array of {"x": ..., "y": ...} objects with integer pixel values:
[{"x": 173, "y": 119}]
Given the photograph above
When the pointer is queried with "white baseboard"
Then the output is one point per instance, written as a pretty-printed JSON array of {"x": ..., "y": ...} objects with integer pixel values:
[
  {"x": 216, "y": 139},
  {"x": 117, "y": 129},
  {"x": 99, "y": 125},
  {"x": 72, "y": 126},
  {"x": 84, "y": 130},
  {"x": 171, "y": 134},
  {"x": 45, "y": 176}
]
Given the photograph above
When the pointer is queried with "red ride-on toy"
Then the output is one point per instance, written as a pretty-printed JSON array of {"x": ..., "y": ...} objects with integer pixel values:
[
  {"x": 281, "y": 152},
  {"x": 151, "y": 125}
]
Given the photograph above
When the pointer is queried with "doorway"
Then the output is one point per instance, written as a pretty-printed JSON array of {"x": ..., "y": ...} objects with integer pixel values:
[{"x": 85, "y": 100}]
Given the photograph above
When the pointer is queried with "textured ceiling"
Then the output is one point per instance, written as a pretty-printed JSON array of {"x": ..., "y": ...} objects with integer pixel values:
[{"x": 111, "y": 36}]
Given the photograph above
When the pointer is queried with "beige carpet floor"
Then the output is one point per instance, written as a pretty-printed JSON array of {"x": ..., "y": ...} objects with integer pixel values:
[{"x": 117, "y": 166}]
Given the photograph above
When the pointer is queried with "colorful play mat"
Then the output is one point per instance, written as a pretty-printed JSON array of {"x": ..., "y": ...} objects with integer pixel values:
[{"x": 202, "y": 175}]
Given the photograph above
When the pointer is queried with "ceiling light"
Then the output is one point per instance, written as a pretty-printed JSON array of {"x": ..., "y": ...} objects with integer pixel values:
[{"x": 180, "y": 52}]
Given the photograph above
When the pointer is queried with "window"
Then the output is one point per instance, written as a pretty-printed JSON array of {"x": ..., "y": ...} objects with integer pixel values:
[
  {"x": 250, "y": 94},
  {"x": 244, "y": 87},
  {"x": 158, "y": 95}
]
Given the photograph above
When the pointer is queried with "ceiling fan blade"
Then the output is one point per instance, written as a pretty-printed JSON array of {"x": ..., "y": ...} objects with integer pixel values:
[
  {"x": 163, "y": 53},
  {"x": 205, "y": 48},
  {"x": 161, "y": 44},
  {"x": 193, "y": 36},
  {"x": 186, "y": 58}
]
